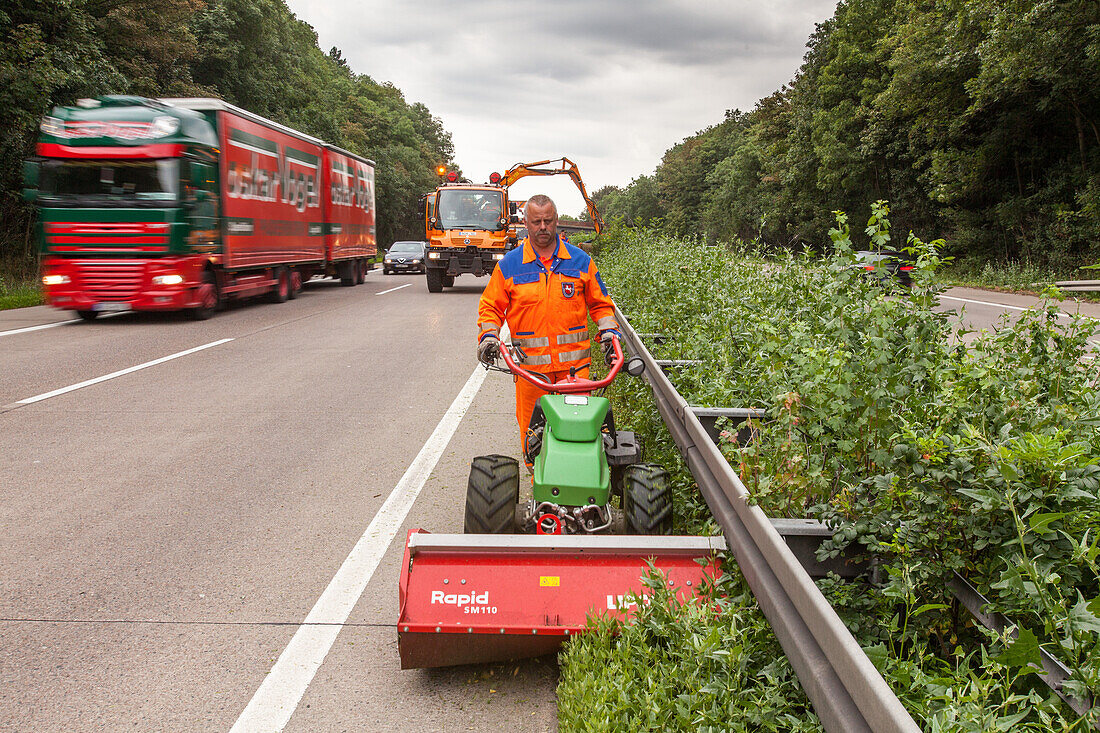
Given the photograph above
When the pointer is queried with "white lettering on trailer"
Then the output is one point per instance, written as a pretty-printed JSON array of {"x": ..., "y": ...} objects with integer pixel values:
[{"x": 254, "y": 183}]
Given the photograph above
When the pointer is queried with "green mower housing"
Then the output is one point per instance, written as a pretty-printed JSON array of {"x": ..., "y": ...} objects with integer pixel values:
[{"x": 571, "y": 469}]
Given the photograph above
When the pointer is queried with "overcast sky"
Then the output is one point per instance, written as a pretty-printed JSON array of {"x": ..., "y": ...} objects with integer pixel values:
[{"x": 610, "y": 84}]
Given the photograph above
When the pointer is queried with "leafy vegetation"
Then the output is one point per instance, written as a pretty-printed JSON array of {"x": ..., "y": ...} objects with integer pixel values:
[
  {"x": 928, "y": 447},
  {"x": 979, "y": 118},
  {"x": 19, "y": 295},
  {"x": 252, "y": 53}
]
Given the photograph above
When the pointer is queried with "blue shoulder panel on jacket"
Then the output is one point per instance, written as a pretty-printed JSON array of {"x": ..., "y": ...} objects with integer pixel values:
[
  {"x": 599, "y": 279},
  {"x": 512, "y": 264}
]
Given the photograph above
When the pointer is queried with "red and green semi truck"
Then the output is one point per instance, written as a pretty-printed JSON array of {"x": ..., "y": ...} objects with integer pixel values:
[{"x": 182, "y": 204}]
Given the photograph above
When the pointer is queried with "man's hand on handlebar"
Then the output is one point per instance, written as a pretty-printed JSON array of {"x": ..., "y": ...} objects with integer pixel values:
[
  {"x": 607, "y": 342},
  {"x": 488, "y": 349}
]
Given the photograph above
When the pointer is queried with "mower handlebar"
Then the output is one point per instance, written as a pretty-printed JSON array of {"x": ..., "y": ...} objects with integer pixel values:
[{"x": 569, "y": 385}]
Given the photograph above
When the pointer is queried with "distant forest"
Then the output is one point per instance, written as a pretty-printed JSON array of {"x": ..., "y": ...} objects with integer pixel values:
[
  {"x": 977, "y": 119},
  {"x": 252, "y": 53}
]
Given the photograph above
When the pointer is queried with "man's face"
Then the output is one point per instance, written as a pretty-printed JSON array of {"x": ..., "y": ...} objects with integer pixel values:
[{"x": 542, "y": 224}]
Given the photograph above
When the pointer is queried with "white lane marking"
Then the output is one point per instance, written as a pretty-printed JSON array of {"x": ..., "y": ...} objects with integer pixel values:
[
  {"x": 275, "y": 701},
  {"x": 1063, "y": 314},
  {"x": 28, "y": 329},
  {"x": 119, "y": 373},
  {"x": 392, "y": 289}
]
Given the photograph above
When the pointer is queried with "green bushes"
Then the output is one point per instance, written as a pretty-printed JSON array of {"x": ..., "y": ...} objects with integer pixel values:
[
  {"x": 933, "y": 448},
  {"x": 693, "y": 668}
]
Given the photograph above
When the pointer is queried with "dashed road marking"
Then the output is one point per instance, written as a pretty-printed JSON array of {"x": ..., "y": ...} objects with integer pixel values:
[
  {"x": 1061, "y": 314},
  {"x": 119, "y": 373},
  {"x": 392, "y": 289},
  {"x": 44, "y": 326}
]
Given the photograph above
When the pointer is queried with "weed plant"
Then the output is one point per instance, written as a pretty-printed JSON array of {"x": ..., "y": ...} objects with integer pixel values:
[{"x": 932, "y": 452}]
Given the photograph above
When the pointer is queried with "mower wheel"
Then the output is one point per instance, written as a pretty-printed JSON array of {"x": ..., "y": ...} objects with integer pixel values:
[
  {"x": 491, "y": 495},
  {"x": 647, "y": 499}
]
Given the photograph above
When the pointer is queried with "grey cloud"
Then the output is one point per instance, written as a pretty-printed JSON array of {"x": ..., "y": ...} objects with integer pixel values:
[{"x": 609, "y": 83}]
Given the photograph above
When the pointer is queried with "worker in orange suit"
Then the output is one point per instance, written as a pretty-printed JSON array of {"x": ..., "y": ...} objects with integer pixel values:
[{"x": 545, "y": 289}]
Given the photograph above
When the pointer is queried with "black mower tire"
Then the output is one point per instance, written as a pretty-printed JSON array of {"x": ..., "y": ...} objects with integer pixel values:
[
  {"x": 647, "y": 499},
  {"x": 491, "y": 495},
  {"x": 434, "y": 276}
]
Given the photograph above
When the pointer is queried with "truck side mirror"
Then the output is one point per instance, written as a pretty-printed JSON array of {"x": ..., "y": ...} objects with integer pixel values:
[{"x": 31, "y": 170}]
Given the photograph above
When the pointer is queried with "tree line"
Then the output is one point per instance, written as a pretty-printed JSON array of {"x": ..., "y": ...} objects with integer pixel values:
[
  {"x": 979, "y": 120},
  {"x": 252, "y": 53}
]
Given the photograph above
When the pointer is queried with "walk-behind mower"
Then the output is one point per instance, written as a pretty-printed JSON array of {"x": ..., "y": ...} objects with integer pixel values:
[{"x": 491, "y": 595}]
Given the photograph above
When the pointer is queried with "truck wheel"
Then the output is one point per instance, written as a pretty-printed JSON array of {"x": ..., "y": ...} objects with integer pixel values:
[
  {"x": 360, "y": 272},
  {"x": 491, "y": 495},
  {"x": 88, "y": 315},
  {"x": 647, "y": 499},
  {"x": 448, "y": 281},
  {"x": 434, "y": 277},
  {"x": 347, "y": 273},
  {"x": 208, "y": 298},
  {"x": 295, "y": 284},
  {"x": 282, "y": 286}
]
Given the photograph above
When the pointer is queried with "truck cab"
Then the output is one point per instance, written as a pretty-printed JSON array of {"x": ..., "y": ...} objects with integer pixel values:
[{"x": 468, "y": 228}]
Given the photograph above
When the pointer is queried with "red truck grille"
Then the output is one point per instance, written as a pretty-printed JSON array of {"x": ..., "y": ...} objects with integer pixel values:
[
  {"x": 110, "y": 279},
  {"x": 107, "y": 236}
]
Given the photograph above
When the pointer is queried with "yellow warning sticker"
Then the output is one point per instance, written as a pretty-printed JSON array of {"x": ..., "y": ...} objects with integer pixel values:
[{"x": 549, "y": 581}]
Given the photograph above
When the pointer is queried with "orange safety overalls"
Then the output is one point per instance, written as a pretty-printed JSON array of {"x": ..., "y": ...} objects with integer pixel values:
[{"x": 546, "y": 306}]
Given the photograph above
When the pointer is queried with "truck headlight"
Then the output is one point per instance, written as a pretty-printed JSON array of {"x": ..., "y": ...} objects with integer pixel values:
[
  {"x": 55, "y": 280},
  {"x": 53, "y": 127},
  {"x": 433, "y": 255},
  {"x": 164, "y": 125},
  {"x": 167, "y": 279},
  {"x": 498, "y": 256}
]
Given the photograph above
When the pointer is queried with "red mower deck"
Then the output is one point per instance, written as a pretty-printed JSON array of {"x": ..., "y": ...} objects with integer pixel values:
[{"x": 469, "y": 599}]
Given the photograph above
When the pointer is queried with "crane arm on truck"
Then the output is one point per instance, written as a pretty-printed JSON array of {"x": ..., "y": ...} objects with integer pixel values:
[{"x": 555, "y": 167}]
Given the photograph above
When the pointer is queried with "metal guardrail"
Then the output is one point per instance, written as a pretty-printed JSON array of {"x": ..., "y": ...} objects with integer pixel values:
[
  {"x": 1080, "y": 286},
  {"x": 1054, "y": 672},
  {"x": 847, "y": 692}
]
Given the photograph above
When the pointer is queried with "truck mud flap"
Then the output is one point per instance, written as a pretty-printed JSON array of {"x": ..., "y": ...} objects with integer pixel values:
[{"x": 467, "y": 599}]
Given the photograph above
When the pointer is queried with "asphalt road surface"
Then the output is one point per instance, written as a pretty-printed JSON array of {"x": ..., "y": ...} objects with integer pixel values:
[
  {"x": 177, "y": 498},
  {"x": 166, "y": 531}
]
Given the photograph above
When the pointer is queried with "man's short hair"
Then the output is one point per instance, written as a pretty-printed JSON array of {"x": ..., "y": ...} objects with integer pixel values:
[{"x": 539, "y": 199}]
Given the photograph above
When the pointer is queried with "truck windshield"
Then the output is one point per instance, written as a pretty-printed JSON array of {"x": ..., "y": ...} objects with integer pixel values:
[
  {"x": 110, "y": 182},
  {"x": 470, "y": 209}
]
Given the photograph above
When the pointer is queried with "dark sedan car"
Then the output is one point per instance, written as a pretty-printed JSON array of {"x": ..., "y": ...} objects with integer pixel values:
[
  {"x": 884, "y": 265},
  {"x": 404, "y": 257}
]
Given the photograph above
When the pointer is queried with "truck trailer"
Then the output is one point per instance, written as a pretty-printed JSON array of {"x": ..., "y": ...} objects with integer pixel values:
[{"x": 182, "y": 204}]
